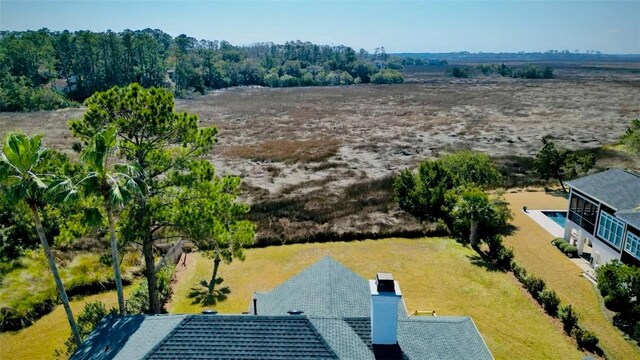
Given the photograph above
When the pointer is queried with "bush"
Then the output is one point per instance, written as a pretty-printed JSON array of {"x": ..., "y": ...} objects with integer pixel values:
[
  {"x": 570, "y": 251},
  {"x": 19, "y": 94},
  {"x": 519, "y": 271},
  {"x": 88, "y": 319},
  {"x": 460, "y": 72},
  {"x": 563, "y": 246},
  {"x": 569, "y": 318},
  {"x": 495, "y": 245},
  {"x": 138, "y": 301},
  {"x": 534, "y": 285},
  {"x": 387, "y": 76},
  {"x": 557, "y": 241},
  {"x": 585, "y": 338},
  {"x": 550, "y": 301},
  {"x": 505, "y": 256},
  {"x": 636, "y": 332}
]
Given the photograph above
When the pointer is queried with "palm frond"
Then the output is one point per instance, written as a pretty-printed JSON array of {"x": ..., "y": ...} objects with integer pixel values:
[{"x": 62, "y": 190}]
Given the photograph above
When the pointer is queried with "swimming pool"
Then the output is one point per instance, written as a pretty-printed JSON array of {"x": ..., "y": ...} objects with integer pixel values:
[{"x": 558, "y": 217}]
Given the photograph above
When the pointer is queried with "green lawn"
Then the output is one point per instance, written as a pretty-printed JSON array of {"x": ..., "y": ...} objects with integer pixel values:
[
  {"x": 48, "y": 333},
  {"x": 532, "y": 249},
  {"x": 434, "y": 274}
]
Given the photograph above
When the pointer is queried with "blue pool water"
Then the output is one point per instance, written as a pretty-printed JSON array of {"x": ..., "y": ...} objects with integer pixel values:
[{"x": 558, "y": 217}]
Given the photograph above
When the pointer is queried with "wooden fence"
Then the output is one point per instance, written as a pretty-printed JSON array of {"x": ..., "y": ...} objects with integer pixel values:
[{"x": 172, "y": 256}]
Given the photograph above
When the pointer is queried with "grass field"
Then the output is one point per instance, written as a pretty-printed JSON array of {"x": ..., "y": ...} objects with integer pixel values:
[
  {"x": 532, "y": 249},
  {"x": 49, "y": 333},
  {"x": 434, "y": 274}
]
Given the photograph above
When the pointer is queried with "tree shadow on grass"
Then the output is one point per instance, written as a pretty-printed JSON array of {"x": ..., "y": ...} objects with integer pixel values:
[
  {"x": 201, "y": 295},
  {"x": 484, "y": 262},
  {"x": 557, "y": 193}
]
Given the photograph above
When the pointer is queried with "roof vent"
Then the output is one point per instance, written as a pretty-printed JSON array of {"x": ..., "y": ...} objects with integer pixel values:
[
  {"x": 385, "y": 282},
  {"x": 295, "y": 312},
  {"x": 209, "y": 312}
]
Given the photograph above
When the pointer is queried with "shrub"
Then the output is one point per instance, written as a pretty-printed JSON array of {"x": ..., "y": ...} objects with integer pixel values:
[
  {"x": 557, "y": 241},
  {"x": 138, "y": 301},
  {"x": 585, "y": 338},
  {"x": 569, "y": 318},
  {"x": 495, "y": 245},
  {"x": 505, "y": 256},
  {"x": 570, "y": 251},
  {"x": 387, "y": 76},
  {"x": 88, "y": 319},
  {"x": 636, "y": 332},
  {"x": 460, "y": 72},
  {"x": 550, "y": 301},
  {"x": 563, "y": 245},
  {"x": 519, "y": 271},
  {"x": 534, "y": 285}
]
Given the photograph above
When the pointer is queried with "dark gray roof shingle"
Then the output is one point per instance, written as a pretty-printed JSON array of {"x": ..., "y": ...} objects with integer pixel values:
[
  {"x": 615, "y": 187},
  {"x": 339, "y": 332},
  {"x": 427, "y": 337},
  {"x": 129, "y": 337},
  {"x": 326, "y": 288},
  {"x": 243, "y": 337},
  {"x": 631, "y": 217}
]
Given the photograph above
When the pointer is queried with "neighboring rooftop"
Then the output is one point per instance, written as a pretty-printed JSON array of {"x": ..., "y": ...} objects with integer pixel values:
[
  {"x": 326, "y": 288},
  {"x": 617, "y": 188}
]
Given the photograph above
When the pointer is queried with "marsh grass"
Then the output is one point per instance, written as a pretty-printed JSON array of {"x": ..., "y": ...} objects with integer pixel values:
[
  {"x": 286, "y": 151},
  {"x": 27, "y": 292},
  {"x": 361, "y": 210}
]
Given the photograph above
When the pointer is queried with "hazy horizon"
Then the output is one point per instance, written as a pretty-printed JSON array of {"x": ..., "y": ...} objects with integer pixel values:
[{"x": 612, "y": 27}]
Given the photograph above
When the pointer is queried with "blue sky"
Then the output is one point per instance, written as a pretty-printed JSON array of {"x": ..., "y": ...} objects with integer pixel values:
[{"x": 400, "y": 26}]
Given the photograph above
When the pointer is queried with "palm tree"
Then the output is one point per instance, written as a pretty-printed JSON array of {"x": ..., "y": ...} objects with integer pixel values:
[
  {"x": 473, "y": 205},
  {"x": 18, "y": 161},
  {"x": 114, "y": 187}
]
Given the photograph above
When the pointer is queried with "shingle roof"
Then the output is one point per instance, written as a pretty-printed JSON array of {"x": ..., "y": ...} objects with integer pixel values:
[
  {"x": 279, "y": 337},
  {"x": 339, "y": 332},
  {"x": 631, "y": 217},
  {"x": 431, "y": 337},
  {"x": 615, "y": 187},
  {"x": 129, "y": 337},
  {"x": 326, "y": 288},
  {"x": 243, "y": 337}
]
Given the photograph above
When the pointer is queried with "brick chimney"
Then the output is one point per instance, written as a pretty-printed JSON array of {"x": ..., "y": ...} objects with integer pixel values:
[{"x": 385, "y": 296}]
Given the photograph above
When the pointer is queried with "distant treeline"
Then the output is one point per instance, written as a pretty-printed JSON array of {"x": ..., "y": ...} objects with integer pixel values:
[
  {"x": 525, "y": 72},
  {"x": 522, "y": 56},
  {"x": 47, "y": 69},
  {"x": 409, "y": 61}
]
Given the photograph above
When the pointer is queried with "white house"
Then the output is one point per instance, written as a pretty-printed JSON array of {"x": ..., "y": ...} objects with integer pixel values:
[{"x": 604, "y": 212}]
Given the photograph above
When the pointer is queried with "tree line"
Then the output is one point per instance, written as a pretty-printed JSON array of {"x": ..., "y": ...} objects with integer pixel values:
[
  {"x": 527, "y": 71},
  {"x": 47, "y": 69}
]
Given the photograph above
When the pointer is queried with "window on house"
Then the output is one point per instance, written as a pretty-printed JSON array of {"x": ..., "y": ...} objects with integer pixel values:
[
  {"x": 610, "y": 229},
  {"x": 583, "y": 212},
  {"x": 632, "y": 245}
]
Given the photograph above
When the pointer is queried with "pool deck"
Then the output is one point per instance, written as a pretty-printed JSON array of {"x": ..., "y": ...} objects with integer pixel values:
[
  {"x": 558, "y": 231},
  {"x": 543, "y": 220}
]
